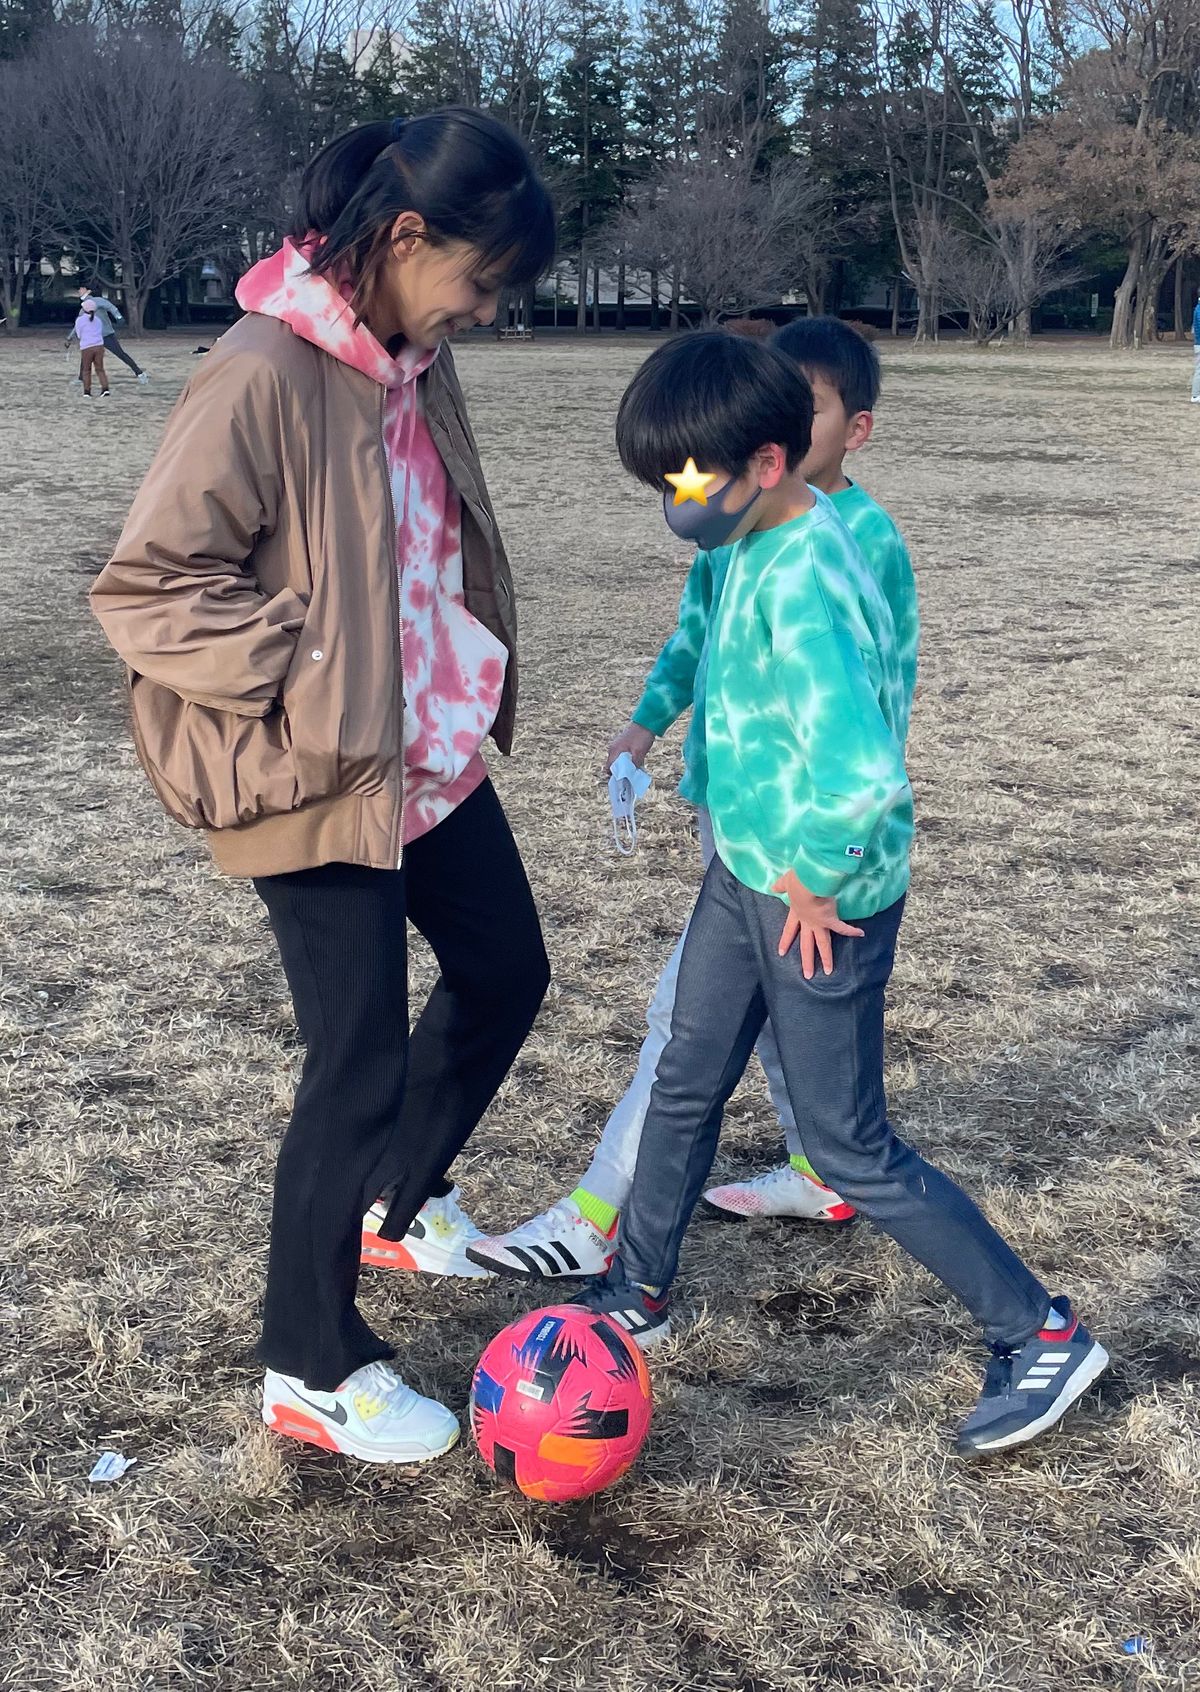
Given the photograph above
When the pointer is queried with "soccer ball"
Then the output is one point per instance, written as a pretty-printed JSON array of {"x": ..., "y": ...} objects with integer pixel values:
[{"x": 560, "y": 1403}]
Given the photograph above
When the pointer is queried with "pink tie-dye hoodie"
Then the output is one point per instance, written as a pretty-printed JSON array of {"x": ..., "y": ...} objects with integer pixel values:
[{"x": 453, "y": 666}]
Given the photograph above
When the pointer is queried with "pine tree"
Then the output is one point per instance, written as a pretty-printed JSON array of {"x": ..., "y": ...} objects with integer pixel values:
[
  {"x": 379, "y": 83},
  {"x": 838, "y": 136},
  {"x": 748, "y": 106},
  {"x": 445, "y": 64},
  {"x": 21, "y": 21},
  {"x": 586, "y": 140}
]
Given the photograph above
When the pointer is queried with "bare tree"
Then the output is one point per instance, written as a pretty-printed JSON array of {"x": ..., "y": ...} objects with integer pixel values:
[
  {"x": 152, "y": 150},
  {"x": 999, "y": 272},
  {"x": 27, "y": 166},
  {"x": 1139, "y": 181},
  {"x": 723, "y": 237},
  {"x": 520, "y": 63},
  {"x": 1122, "y": 154},
  {"x": 916, "y": 117}
]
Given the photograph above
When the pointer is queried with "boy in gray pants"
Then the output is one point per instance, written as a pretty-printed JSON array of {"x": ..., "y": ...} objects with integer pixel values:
[{"x": 812, "y": 817}]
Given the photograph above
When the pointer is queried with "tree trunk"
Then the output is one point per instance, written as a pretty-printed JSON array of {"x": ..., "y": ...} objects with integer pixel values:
[
  {"x": 621, "y": 295},
  {"x": 1149, "y": 288},
  {"x": 10, "y": 297},
  {"x": 581, "y": 301},
  {"x": 674, "y": 318},
  {"x": 896, "y": 286},
  {"x": 135, "y": 311},
  {"x": 654, "y": 305},
  {"x": 596, "y": 298},
  {"x": 1121, "y": 334},
  {"x": 1180, "y": 316}
]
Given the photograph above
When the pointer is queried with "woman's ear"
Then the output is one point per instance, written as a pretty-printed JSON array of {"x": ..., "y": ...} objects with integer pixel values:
[{"x": 407, "y": 231}]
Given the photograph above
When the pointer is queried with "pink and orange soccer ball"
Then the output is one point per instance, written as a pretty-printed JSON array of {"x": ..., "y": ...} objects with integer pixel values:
[{"x": 560, "y": 1403}]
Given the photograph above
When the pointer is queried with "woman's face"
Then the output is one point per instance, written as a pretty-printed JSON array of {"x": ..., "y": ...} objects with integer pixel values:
[{"x": 427, "y": 292}]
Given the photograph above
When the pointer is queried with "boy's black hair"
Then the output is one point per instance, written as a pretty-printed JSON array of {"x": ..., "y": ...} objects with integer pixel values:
[
  {"x": 830, "y": 348},
  {"x": 716, "y": 398}
]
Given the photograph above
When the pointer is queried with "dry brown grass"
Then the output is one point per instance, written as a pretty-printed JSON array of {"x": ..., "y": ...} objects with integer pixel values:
[{"x": 797, "y": 1520}]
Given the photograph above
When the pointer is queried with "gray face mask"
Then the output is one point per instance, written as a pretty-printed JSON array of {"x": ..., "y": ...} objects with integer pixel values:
[{"x": 708, "y": 525}]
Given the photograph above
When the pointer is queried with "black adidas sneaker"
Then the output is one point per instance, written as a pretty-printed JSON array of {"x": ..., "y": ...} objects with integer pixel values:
[
  {"x": 1028, "y": 1389},
  {"x": 646, "y": 1320}
]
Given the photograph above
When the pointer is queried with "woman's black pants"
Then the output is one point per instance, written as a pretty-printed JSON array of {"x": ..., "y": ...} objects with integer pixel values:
[{"x": 378, "y": 1109}]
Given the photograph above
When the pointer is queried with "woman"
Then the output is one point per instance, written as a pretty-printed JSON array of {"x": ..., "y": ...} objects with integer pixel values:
[{"x": 317, "y": 615}]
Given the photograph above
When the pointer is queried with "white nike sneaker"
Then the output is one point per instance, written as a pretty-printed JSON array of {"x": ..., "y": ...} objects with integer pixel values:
[
  {"x": 780, "y": 1192},
  {"x": 144, "y": 378},
  {"x": 372, "y": 1415},
  {"x": 435, "y": 1244},
  {"x": 559, "y": 1245}
]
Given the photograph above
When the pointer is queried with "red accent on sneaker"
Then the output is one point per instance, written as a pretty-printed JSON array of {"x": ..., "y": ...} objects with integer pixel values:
[
  {"x": 841, "y": 1212},
  {"x": 294, "y": 1424},
  {"x": 1050, "y": 1335},
  {"x": 654, "y": 1305},
  {"x": 385, "y": 1254}
]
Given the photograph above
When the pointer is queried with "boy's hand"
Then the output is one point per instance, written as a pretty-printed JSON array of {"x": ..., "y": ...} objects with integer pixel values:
[
  {"x": 814, "y": 920},
  {"x": 635, "y": 740}
]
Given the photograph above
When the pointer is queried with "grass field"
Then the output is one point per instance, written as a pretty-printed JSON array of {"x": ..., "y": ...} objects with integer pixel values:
[{"x": 798, "y": 1519}]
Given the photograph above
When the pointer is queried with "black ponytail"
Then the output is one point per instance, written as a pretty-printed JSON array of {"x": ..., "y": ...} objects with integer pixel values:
[{"x": 466, "y": 173}]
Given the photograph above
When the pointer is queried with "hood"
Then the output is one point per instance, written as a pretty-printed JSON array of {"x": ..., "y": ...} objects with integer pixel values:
[{"x": 283, "y": 286}]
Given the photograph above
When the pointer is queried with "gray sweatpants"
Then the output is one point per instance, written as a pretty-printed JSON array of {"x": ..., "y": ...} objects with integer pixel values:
[{"x": 830, "y": 1036}]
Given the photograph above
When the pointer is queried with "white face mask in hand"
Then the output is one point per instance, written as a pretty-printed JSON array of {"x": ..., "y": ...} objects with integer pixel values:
[{"x": 626, "y": 785}]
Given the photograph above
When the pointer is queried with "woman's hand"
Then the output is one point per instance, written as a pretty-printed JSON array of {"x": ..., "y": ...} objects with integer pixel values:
[
  {"x": 635, "y": 740},
  {"x": 814, "y": 919}
]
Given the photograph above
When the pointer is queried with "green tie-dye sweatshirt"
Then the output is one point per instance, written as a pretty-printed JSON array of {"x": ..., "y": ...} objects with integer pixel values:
[
  {"x": 806, "y": 704},
  {"x": 679, "y": 674}
]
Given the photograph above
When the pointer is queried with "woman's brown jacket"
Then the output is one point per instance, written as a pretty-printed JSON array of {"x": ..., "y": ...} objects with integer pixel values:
[{"x": 253, "y": 596}]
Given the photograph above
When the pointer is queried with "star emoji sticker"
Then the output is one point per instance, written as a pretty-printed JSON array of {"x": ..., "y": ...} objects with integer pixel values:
[{"x": 690, "y": 483}]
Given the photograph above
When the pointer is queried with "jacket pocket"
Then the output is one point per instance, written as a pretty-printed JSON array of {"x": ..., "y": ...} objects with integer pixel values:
[{"x": 213, "y": 768}]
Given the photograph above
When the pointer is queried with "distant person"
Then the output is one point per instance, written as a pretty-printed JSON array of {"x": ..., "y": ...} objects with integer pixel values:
[
  {"x": 89, "y": 332},
  {"x": 1196, "y": 353},
  {"x": 110, "y": 316}
]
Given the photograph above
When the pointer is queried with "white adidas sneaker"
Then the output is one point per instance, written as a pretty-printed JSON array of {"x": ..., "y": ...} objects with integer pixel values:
[
  {"x": 435, "y": 1244},
  {"x": 559, "y": 1245},
  {"x": 780, "y": 1192},
  {"x": 372, "y": 1415}
]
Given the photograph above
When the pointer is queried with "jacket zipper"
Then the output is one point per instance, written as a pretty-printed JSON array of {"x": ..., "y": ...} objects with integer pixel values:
[{"x": 397, "y": 847}]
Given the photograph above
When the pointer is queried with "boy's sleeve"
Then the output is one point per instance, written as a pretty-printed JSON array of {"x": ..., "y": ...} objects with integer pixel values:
[
  {"x": 671, "y": 683},
  {"x": 855, "y": 763}
]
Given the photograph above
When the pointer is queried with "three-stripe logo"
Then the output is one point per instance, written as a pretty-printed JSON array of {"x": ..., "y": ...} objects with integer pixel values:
[
  {"x": 1042, "y": 1372},
  {"x": 553, "y": 1258}
]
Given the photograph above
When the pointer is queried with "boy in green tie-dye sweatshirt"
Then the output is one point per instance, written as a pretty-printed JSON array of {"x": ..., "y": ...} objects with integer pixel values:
[
  {"x": 806, "y": 706},
  {"x": 576, "y": 1234}
]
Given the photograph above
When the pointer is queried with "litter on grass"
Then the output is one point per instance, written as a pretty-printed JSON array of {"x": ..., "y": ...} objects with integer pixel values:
[{"x": 110, "y": 1466}]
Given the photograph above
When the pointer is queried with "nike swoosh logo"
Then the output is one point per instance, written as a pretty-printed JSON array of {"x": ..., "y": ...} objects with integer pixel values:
[{"x": 337, "y": 1414}]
